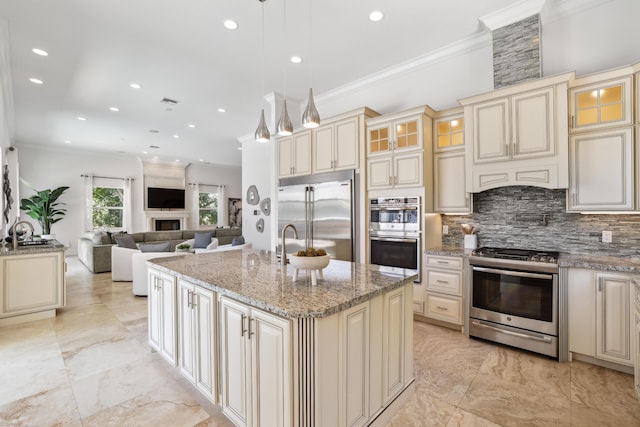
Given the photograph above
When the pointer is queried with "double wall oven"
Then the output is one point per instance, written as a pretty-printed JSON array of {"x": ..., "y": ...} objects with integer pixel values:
[
  {"x": 395, "y": 232},
  {"x": 514, "y": 298}
]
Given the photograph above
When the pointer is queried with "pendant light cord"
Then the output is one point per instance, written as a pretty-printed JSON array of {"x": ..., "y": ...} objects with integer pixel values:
[
  {"x": 310, "y": 48},
  {"x": 262, "y": 57},
  {"x": 284, "y": 67}
]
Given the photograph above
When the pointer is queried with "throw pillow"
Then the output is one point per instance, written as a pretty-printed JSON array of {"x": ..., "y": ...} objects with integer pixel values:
[
  {"x": 126, "y": 241},
  {"x": 113, "y": 236},
  {"x": 155, "y": 247},
  {"x": 100, "y": 238},
  {"x": 237, "y": 241},
  {"x": 202, "y": 240}
]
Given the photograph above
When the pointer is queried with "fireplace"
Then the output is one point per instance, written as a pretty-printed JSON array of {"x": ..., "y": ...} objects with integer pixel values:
[{"x": 166, "y": 224}]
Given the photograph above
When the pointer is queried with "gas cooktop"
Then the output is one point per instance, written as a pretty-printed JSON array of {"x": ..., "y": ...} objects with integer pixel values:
[{"x": 523, "y": 259}]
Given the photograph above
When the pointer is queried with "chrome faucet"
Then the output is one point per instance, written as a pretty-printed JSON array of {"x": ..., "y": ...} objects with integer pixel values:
[
  {"x": 283, "y": 253},
  {"x": 15, "y": 237}
]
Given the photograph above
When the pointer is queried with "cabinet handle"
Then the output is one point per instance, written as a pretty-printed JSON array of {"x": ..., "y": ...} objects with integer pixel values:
[
  {"x": 443, "y": 281},
  {"x": 443, "y": 262},
  {"x": 442, "y": 308},
  {"x": 188, "y": 298},
  {"x": 599, "y": 285},
  {"x": 390, "y": 180},
  {"x": 242, "y": 329},
  {"x": 572, "y": 121},
  {"x": 250, "y": 331},
  {"x": 194, "y": 304}
]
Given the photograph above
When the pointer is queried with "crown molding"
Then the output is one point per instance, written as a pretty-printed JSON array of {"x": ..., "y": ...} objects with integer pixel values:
[
  {"x": 510, "y": 14},
  {"x": 562, "y": 8}
]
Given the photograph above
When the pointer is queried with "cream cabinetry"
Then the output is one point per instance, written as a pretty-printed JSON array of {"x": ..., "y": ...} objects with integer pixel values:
[
  {"x": 196, "y": 337},
  {"x": 602, "y": 171},
  {"x": 162, "y": 315},
  {"x": 603, "y": 103},
  {"x": 399, "y": 150},
  {"x": 599, "y": 315},
  {"x": 255, "y": 354},
  {"x": 518, "y": 135},
  {"x": 444, "y": 288},
  {"x": 294, "y": 154},
  {"x": 31, "y": 284},
  {"x": 635, "y": 330},
  {"x": 336, "y": 146}
]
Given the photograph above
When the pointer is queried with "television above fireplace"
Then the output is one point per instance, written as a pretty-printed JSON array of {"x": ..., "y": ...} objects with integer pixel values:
[{"x": 165, "y": 198}]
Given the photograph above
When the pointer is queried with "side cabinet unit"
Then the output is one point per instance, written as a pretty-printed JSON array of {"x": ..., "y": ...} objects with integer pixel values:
[
  {"x": 255, "y": 377},
  {"x": 444, "y": 283},
  {"x": 635, "y": 328},
  {"x": 294, "y": 154},
  {"x": 162, "y": 315}
]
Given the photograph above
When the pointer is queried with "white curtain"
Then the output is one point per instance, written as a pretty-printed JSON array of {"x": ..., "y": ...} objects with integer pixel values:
[
  {"x": 195, "y": 206},
  {"x": 127, "y": 216},
  {"x": 223, "y": 216},
  {"x": 88, "y": 203}
]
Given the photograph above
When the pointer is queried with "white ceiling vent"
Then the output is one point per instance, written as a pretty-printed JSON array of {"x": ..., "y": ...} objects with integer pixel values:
[{"x": 169, "y": 101}]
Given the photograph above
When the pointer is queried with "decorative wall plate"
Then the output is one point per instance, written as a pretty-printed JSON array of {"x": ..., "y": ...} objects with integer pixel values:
[
  {"x": 253, "y": 198},
  {"x": 260, "y": 225},
  {"x": 265, "y": 205}
]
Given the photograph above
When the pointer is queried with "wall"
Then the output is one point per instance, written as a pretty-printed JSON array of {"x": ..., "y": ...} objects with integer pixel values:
[
  {"x": 510, "y": 217},
  {"x": 48, "y": 168}
]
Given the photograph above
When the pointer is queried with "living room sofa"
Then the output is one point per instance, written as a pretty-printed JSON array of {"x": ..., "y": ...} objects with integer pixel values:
[{"x": 94, "y": 249}]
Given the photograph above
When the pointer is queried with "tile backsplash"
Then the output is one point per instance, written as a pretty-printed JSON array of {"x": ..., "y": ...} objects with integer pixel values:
[{"x": 513, "y": 217}]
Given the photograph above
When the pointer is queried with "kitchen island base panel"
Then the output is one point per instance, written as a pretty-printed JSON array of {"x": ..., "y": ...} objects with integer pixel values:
[
  {"x": 24, "y": 318},
  {"x": 394, "y": 407}
]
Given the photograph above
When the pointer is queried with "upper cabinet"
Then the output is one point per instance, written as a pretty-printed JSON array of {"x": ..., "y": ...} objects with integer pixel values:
[
  {"x": 518, "y": 135},
  {"x": 448, "y": 131},
  {"x": 336, "y": 143},
  {"x": 294, "y": 154},
  {"x": 396, "y": 147},
  {"x": 601, "y": 104}
]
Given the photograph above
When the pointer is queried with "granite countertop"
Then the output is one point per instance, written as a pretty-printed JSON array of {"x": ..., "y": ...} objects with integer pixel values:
[
  {"x": 255, "y": 278},
  {"x": 50, "y": 246},
  {"x": 448, "y": 251}
]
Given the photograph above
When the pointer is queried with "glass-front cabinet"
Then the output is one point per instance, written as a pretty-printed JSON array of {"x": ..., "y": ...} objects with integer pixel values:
[
  {"x": 601, "y": 104},
  {"x": 449, "y": 133}
]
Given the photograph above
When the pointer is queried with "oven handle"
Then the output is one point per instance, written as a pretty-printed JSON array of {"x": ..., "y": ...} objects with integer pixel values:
[
  {"x": 515, "y": 334},
  {"x": 514, "y": 273},
  {"x": 394, "y": 239}
]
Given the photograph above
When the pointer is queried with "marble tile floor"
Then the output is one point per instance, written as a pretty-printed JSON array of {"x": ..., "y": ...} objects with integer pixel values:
[{"x": 92, "y": 366}]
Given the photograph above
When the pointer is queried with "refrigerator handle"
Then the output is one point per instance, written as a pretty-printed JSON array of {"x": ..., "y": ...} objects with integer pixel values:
[{"x": 310, "y": 216}]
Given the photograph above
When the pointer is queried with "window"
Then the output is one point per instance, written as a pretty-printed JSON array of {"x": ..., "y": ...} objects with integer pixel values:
[
  {"x": 208, "y": 203},
  {"x": 107, "y": 207}
]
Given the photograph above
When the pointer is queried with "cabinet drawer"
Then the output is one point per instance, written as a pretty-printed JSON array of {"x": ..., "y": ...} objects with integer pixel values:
[
  {"x": 444, "y": 262},
  {"x": 444, "y": 281},
  {"x": 447, "y": 309}
]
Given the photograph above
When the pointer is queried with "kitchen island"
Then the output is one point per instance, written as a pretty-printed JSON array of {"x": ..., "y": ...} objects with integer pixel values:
[
  {"x": 32, "y": 283},
  {"x": 290, "y": 354}
]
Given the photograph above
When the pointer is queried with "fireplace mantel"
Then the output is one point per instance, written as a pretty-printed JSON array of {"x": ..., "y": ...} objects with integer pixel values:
[{"x": 151, "y": 216}]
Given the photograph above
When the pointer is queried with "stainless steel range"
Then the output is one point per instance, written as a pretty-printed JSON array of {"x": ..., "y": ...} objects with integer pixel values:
[{"x": 514, "y": 298}]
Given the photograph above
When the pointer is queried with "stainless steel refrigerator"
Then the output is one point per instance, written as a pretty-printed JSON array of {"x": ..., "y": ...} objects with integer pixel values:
[{"x": 322, "y": 210}]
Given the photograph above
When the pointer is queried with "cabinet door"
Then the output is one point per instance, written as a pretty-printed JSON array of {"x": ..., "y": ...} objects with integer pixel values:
[
  {"x": 379, "y": 140},
  {"x": 533, "y": 118},
  {"x": 407, "y": 135},
  {"x": 302, "y": 153},
  {"x": 31, "y": 283},
  {"x": 203, "y": 305},
  {"x": 408, "y": 170},
  {"x": 448, "y": 133},
  {"x": 285, "y": 157},
  {"x": 393, "y": 346},
  {"x": 168, "y": 313},
  {"x": 491, "y": 131},
  {"x": 271, "y": 369},
  {"x": 450, "y": 195},
  {"x": 235, "y": 374},
  {"x": 186, "y": 330},
  {"x": 600, "y": 105},
  {"x": 355, "y": 365},
  {"x": 323, "y": 149},
  {"x": 636, "y": 331},
  {"x": 379, "y": 173},
  {"x": 601, "y": 171},
  {"x": 154, "y": 307},
  {"x": 444, "y": 308},
  {"x": 582, "y": 311},
  {"x": 613, "y": 320},
  {"x": 347, "y": 144}
]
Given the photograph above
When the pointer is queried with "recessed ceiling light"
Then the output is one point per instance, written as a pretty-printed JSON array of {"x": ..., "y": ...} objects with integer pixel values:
[
  {"x": 176, "y": 136},
  {"x": 376, "y": 16},
  {"x": 240, "y": 148},
  {"x": 230, "y": 25},
  {"x": 155, "y": 157},
  {"x": 67, "y": 141},
  {"x": 36, "y": 81},
  {"x": 135, "y": 85},
  {"x": 40, "y": 52},
  {"x": 221, "y": 110},
  {"x": 191, "y": 125},
  {"x": 177, "y": 160},
  {"x": 116, "y": 109},
  {"x": 82, "y": 118},
  {"x": 202, "y": 160},
  {"x": 144, "y": 152},
  {"x": 296, "y": 59}
]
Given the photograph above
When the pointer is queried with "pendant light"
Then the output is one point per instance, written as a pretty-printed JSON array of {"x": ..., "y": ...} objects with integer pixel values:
[
  {"x": 310, "y": 117},
  {"x": 262, "y": 132},
  {"x": 284, "y": 126}
]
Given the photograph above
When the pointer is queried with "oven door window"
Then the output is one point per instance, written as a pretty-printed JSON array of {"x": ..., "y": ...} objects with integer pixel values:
[
  {"x": 395, "y": 254},
  {"x": 394, "y": 216},
  {"x": 526, "y": 297}
]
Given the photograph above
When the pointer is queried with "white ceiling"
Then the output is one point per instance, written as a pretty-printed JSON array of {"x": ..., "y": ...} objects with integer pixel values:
[{"x": 180, "y": 50}]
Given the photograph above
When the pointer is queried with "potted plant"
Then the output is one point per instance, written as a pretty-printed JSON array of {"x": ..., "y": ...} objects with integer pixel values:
[
  {"x": 44, "y": 207},
  {"x": 183, "y": 247}
]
